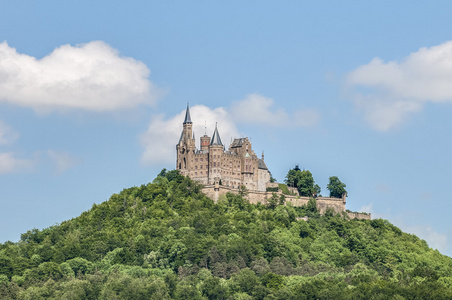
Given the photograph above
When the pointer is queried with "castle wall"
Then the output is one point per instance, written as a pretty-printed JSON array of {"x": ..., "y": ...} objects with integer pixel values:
[
  {"x": 323, "y": 203},
  {"x": 223, "y": 171},
  {"x": 361, "y": 216},
  {"x": 263, "y": 177}
]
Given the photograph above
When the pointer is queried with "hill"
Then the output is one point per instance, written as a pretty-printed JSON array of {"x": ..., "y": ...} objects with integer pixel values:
[{"x": 167, "y": 240}]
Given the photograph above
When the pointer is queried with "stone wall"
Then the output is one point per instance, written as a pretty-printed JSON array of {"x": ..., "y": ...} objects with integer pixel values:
[
  {"x": 323, "y": 203},
  {"x": 361, "y": 216}
]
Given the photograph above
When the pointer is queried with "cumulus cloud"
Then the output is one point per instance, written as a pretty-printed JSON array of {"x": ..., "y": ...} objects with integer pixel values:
[
  {"x": 10, "y": 164},
  {"x": 162, "y": 134},
  {"x": 259, "y": 110},
  {"x": 7, "y": 134},
  {"x": 91, "y": 76},
  {"x": 389, "y": 92},
  {"x": 62, "y": 160}
]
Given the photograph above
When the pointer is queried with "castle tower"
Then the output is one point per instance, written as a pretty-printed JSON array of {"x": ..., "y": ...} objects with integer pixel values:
[
  {"x": 186, "y": 146},
  {"x": 215, "y": 157},
  {"x": 188, "y": 125},
  {"x": 205, "y": 143}
]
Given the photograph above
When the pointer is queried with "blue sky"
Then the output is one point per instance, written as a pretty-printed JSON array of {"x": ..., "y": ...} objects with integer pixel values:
[{"x": 92, "y": 96}]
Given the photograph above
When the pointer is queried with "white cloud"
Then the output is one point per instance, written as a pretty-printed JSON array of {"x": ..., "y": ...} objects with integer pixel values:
[
  {"x": 159, "y": 141},
  {"x": 7, "y": 134},
  {"x": 389, "y": 92},
  {"x": 10, "y": 164},
  {"x": 259, "y": 110},
  {"x": 62, "y": 160},
  {"x": 91, "y": 76}
]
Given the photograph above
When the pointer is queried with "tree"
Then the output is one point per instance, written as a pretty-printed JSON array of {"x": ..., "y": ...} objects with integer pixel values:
[
  {"x": 292, "y": 177},
  {"x": 336, "y": 187},
  {"x": 272, "y": 202},
  {"x": 303, "y": 181},
  {"x": 243, "y": 191},
  {"x": 306, "y": 186}
]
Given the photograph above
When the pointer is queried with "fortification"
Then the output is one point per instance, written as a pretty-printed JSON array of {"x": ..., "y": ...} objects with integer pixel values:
[
  {"x": 222, "y": 171},
  {"x": 231, "y": 168}
]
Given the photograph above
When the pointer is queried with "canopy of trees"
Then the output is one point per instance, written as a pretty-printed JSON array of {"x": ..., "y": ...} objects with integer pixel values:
[
  {"x": 336, "y": 187},
  {"x": 167, "y": 240},
  {"x": 303, "y": 181}
]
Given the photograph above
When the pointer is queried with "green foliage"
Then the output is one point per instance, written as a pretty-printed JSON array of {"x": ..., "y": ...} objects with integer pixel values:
[
  {"x": 303, "y": 181},
  {"x": 273, "y": 281},
  {"x": 243, "y": 191},
  {"x": 167, "y": 240},
  {"x": 284, "y": 189},
  {"x": 336, "y": 187},
  {"x": 272, "y": 202}
]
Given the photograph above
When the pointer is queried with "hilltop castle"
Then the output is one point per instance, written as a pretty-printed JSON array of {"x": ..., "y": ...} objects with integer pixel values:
[
  {"x": 237, "y": 166},
  {"x": 222, "y": 171}
]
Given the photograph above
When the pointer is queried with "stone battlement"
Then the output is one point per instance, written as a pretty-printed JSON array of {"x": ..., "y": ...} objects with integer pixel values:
[
  {"x": 215, "y": 191},
  {"x": 222, "y": 171}
]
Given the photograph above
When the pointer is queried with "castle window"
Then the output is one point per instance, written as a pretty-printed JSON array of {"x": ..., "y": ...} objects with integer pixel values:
[
  {"x": 201, "y": 166},
  {"x": 214, "y": 164},
  {"x": 196, "y": 167},
  {"x": 196, "y": 173},
  {"x": 202, "y": 159},
  {"x": 196, "y": 159}
]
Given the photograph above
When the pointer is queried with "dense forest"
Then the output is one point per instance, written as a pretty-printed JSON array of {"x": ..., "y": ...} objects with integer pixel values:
[{"x": 167, "y": 240}]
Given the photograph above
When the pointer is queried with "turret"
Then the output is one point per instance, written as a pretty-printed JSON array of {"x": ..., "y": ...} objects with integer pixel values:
[
  {"x": 188, "y": 125},
  {"x": 215, "y": 156},
  {"x": 205, "y": 142},
  {"x": 216, "y": 140},
  {"x": 186, "y": 146}
]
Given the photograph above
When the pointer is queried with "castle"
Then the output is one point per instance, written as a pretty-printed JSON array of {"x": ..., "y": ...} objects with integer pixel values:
[
  {"x": 222, "y": 171},
  {"x": 237, "y": 166}
]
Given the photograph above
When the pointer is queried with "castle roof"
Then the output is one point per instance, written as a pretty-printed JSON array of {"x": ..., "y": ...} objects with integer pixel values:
[
  {"x": 216, "y": 137},
  {"x": 181, "y": 137},
  {"x": 187, "y": 116},
  {"x": 262, "y": 165},
  {"x": 238, "y": 142}
]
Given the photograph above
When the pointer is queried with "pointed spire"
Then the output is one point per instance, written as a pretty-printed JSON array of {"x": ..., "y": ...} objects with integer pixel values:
[
  {"x": 181, "y": 137},
  {"x": 216, "y": 137},
  {"x": 187, "y": 116}
]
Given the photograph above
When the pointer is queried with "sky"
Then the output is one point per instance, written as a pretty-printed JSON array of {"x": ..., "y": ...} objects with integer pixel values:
[{"x": 93, "y": 94}]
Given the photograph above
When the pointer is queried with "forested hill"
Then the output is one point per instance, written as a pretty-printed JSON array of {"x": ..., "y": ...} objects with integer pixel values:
[{"x": 166, "y": 240}]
